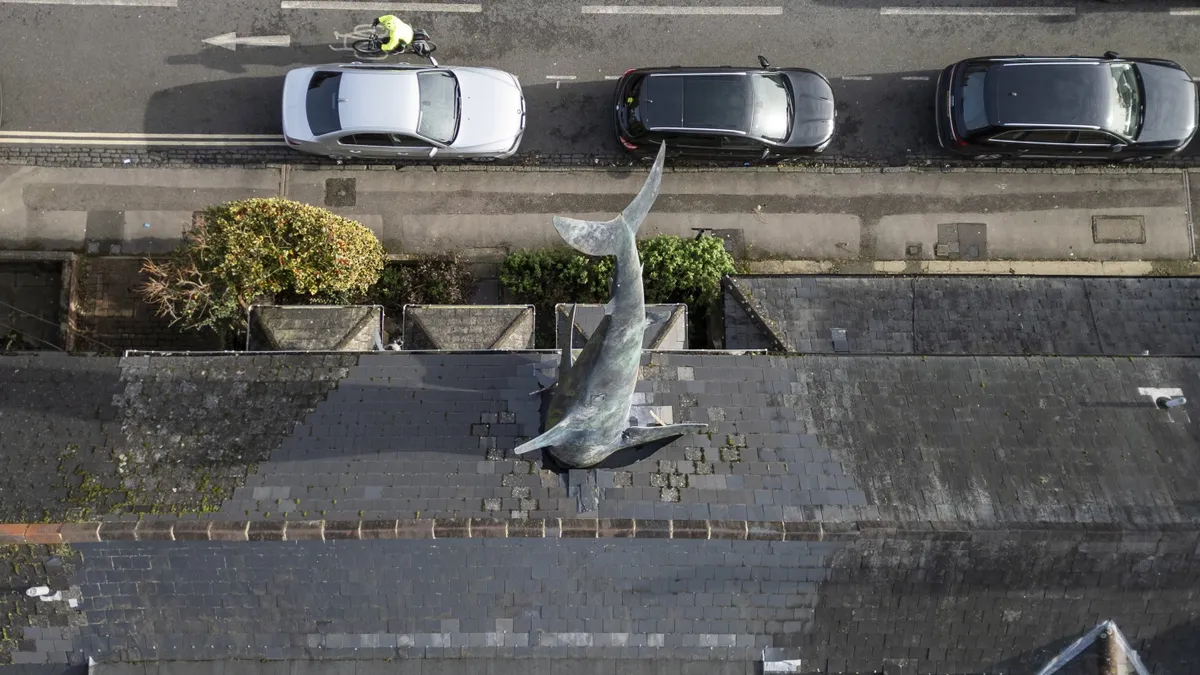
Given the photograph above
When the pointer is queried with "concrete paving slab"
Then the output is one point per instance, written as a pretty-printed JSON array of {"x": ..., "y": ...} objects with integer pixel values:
[
  {"x": 833, "y": 218},
  {"x": 869, "y": 216},
  {"x": 54, "y": 208},
  {"x": 1065, "y": 234}
]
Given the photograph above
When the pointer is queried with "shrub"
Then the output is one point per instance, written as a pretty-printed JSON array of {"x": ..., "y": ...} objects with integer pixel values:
[
  {"x": 242, "y": 251},
  {"x": 432, "y": 280},
  {"x": 673, "y": 270},
  {"x": 548, "y": 276},
  {"x": 684, "y": 270}
]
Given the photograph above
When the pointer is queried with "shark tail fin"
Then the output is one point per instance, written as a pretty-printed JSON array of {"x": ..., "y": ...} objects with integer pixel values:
[
  {"x": 594, "y": 237},
  {"x": 598, "y": 238}
]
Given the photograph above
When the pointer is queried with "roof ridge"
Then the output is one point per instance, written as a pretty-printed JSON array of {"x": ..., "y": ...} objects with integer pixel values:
[{"x": 569, "y": 528}]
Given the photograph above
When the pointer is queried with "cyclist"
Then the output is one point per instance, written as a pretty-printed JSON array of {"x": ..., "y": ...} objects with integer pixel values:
[{"x": 400, "y": 34}]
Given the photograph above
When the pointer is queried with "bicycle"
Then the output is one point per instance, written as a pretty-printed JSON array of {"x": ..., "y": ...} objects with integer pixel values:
[{"x": 372, "y": 47}]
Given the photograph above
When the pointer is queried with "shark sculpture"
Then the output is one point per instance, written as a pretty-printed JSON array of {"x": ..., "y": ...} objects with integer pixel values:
[{"x": 589, "y": 412}]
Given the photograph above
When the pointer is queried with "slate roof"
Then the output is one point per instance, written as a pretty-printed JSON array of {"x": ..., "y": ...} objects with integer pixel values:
[
  {"x": 964, "y": 315},
  {"x": 976, "y": 439},
  {"x": 993, "y": 603},
  {"x": 315, "y": 328},
  {"x": 468, "y": 327},
  {"x": 1082, "y": 494},
  {"x": 667, "y": 330}
]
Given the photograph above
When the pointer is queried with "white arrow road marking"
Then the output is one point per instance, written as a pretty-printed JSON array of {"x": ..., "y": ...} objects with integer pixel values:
[
  {"x": 230, "y": 41},
  {"x": 108, "y": 3}
]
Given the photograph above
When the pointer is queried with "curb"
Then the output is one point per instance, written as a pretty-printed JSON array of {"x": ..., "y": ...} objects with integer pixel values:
[
  {"x": 82, "y": 156},
  {"x": 1003, "y": 268},
  {"x": 581, "y": 528}
]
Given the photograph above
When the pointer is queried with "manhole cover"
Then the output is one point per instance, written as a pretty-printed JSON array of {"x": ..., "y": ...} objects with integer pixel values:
[
  {"x": 340, "y": 192},
  {"x": 1118, "y": 229}
]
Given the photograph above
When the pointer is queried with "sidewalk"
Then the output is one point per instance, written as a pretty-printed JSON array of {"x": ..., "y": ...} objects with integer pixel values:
[{"x": 957, "y": 221}]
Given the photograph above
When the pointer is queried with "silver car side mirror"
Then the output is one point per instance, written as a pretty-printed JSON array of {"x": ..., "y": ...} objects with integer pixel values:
[{"x": 432, "y": 151}]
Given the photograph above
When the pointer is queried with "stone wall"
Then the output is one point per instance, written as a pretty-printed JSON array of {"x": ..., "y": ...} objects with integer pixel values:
[
  {"x": 34, "y": 300},
  {"x": 111, "y": 317}
]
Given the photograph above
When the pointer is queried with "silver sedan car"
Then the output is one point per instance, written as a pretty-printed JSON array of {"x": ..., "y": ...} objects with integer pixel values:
[{"x": 403, "y": 111}]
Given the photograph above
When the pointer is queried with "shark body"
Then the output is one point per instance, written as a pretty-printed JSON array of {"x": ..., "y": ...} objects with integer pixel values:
[{"x": 589, "y": 412}]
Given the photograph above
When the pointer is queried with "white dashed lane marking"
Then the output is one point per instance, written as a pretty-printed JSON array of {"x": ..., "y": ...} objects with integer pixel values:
[
  {"x": 682, "y": 10},
  {"x": 395, "y": 7},
  {"x": 977, "y": 11},
  {"x": 559, "y": 79}
]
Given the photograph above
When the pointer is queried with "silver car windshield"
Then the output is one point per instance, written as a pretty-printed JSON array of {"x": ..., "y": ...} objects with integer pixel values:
[{"x": 439, "y": 114}]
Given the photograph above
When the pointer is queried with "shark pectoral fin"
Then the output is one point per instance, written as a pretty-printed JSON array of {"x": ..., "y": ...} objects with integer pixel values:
[
  {"x": 552, "y": 436},
  {"x": 635, "y": 436}
]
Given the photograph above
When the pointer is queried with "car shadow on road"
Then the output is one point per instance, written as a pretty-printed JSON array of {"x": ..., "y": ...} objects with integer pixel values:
[
  {"x": 569, "y": 117},
  {"x": 236, "y": 61},
  {"x": 240, "y": 105},
  {"x": 884, "y": 116}
]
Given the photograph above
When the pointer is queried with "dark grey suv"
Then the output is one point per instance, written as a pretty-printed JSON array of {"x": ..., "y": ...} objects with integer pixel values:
[
  {"x": 740, "y": 114},
  {"x": 1106, "y": 107}
]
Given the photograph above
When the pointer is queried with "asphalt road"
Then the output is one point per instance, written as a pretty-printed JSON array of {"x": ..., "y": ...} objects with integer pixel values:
[{"x": 146, "y": 69}]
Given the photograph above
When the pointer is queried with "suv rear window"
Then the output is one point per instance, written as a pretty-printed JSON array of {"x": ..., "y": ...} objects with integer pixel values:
[
  {"x": 631, "y": 110},
  {"x": 974, "y": 102},
  {"x": 321, "y": 104},
  {"x": 439, "y": 105}
]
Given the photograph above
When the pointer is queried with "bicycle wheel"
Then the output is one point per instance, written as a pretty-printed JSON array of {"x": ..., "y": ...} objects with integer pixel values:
[{"x": 368, "y": 48}]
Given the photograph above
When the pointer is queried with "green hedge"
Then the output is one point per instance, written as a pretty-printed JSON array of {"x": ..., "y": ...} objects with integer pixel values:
[{"x": 673, "y": 270}]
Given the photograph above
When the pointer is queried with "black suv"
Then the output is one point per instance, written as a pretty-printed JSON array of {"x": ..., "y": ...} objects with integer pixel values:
[
  {"x": 1073, "y": 107},
  {"x": 724, "y": 112}
]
